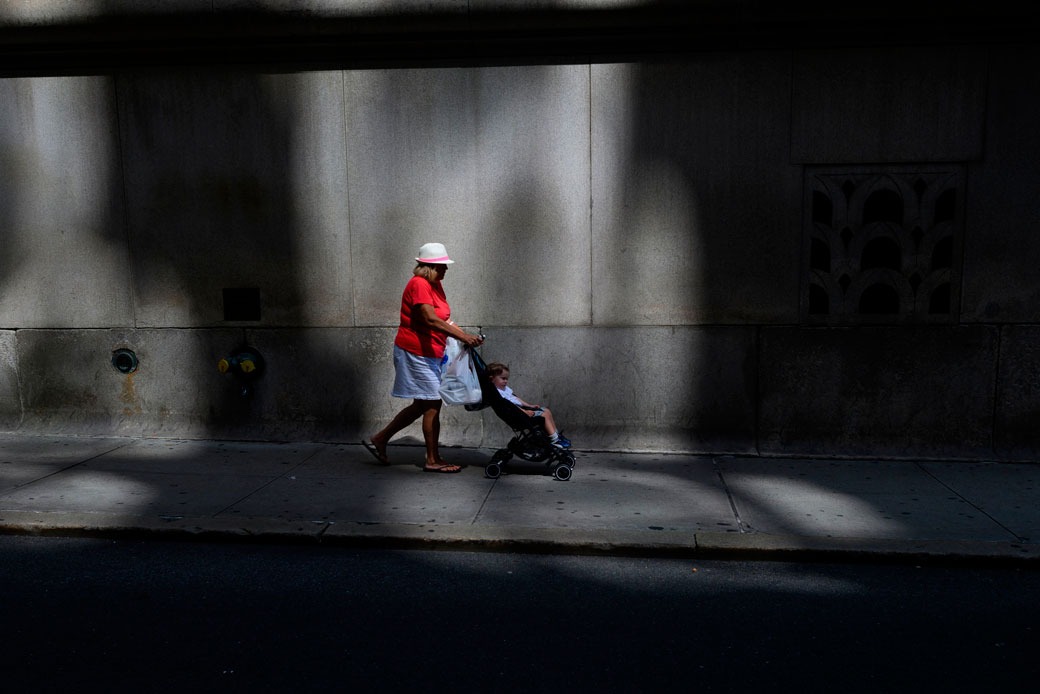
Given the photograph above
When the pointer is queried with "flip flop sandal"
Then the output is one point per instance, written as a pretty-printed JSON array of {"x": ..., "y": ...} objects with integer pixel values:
[
  {"x": 371, "y": 448},
  {"x": 446, "y": 467}
]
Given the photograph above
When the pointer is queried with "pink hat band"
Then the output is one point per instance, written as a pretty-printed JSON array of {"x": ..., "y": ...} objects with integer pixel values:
[{"x": 434, "y": 254}]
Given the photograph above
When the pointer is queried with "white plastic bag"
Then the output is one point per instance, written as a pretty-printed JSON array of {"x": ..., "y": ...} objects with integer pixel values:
[{"x": 460, "y": 384}]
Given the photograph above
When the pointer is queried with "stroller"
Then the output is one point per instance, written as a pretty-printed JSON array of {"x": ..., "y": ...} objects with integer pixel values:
[{"x": 531, "y": 443}]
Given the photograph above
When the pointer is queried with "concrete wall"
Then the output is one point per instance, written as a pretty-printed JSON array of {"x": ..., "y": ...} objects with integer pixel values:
[{"x": 630, "y": 235}]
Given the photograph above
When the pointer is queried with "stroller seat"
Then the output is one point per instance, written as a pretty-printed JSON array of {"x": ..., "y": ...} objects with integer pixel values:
[{"x": 530, "y": 444}]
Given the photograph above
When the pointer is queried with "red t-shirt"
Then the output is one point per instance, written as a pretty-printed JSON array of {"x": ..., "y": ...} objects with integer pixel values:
[{"x": 413, "y": 335}]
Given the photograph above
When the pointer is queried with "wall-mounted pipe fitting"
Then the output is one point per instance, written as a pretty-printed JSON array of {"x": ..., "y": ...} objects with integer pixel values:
[
  {"x": 124, "y": 361},
  {"x": 245, "y": 362},
  {"x": 246, "y": 365}
]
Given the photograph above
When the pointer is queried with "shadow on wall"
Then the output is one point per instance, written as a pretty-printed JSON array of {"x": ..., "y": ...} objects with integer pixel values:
[
  {"x": 478, "y": 158},
  {"x": 63, "y": 254},
  {"x": 10, "y": 397},
  {"x": 692, "y": 236},
  {"x": 682, "y": 209},
  {"x": 237, "y": 180},
  {"x": 137, "y": 200},
  {"x": 238, "y": 218}
]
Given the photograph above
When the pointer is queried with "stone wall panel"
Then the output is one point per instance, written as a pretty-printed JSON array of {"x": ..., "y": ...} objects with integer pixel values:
[
  {"x": 492, "y": 162},
  {"x": 10, "y": 400},
  {"x": 1001, "y": 250},
  {"x": 660, "y": 388},
  {"x": 69, "y": 384},
  {"x": 237, "y": 180},
  {"x": 64, "y": 261},
  {"x": 888, "y": 104},
  {"x": 1018, "y": 398},
  {"x": 695, "y": 206},
  {"x": 885, "y": 391}
]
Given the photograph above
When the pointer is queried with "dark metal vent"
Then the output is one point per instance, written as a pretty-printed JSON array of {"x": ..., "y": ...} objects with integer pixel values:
[{"x": 242, "y": 304}]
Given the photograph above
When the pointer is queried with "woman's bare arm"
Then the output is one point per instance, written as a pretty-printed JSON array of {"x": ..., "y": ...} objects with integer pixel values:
[{"x": 429, "y": 317}]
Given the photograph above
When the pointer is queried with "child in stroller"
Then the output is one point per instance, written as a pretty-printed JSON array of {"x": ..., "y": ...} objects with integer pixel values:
[
  {"x": 499, "y": 374},
  {"x": 531, "y": 444}
]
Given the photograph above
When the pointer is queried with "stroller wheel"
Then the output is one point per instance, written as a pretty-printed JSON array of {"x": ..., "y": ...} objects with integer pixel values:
[
  {"x": 562, "y": 472},
  {"x": 566, "y": 458},
  {"x": 493, "y": 471}
]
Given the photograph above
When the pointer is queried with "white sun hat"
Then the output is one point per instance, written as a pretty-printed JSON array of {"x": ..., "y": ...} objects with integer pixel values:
[{"x": 434, "y": 254}]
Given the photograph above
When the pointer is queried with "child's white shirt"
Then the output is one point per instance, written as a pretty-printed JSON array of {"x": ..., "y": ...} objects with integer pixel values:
[{"x": 507, "y": 393}]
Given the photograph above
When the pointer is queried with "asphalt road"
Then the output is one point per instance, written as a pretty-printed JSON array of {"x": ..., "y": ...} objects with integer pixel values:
[{"x": 129, "y": 616}]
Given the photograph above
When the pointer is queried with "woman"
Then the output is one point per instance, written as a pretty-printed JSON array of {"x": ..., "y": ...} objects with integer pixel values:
[{"x": 418, "y": 351}]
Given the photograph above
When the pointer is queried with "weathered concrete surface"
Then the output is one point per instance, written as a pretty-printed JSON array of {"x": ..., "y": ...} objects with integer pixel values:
[
  {"x": 695, "y": 214},
  {"x": 57, "y": 12},
  {"x": 871, "y": 105},
  {"x": 494, "y": 163},
  {"x": 316, "y": 384},
  {"x": 649, "y": 388},
  {"x": 69, "y": 385},
  {"x": 907, "y": 392},
  {"x": 64, "y": 260},
  {"x": 831, "y": 548},
  {"x": 1006, "y": 493},
  {"x": 624, "y": 233},
  {"x": 27, "y": 13},
  {"x": 334, "y": 384},
  {"x": 892, "y": 500},
  {"x": 882, "y": 391},
  {"x": 26, "y": 459},
  {"x": 1001, "y": 254},
  {"x": 163, "y": 478},
  {"x": 646, "y": 504},
  {"x": 332, "y": 486},
  {"x": 762, "y": 21},
  {"x": 664, "y": 493},
  {"x": 237, "y": 180},
  {"x": 1018, "y": 393},
  {"x": 10, "y": 400}
]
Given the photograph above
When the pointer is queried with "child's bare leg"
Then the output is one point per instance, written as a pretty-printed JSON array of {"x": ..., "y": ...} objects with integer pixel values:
[{"x": 550, "y": 423}]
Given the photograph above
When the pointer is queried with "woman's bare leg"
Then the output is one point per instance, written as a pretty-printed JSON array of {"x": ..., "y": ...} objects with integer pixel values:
[
  {"x": 402, "y": 419},
  {"x": 432, "y": 433},
  {"x": 431, "y": 429}
]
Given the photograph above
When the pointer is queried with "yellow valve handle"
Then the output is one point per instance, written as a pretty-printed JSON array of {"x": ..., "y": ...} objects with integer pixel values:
[
  {"x": 247, "y": 366},
  {"x": 223, "y": 365}
]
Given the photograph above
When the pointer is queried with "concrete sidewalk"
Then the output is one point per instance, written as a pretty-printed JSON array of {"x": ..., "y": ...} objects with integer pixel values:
[{"x": 637, "y": 504}]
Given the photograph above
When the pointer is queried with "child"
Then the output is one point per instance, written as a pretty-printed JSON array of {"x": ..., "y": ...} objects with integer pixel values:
[{"x": 499, "y": 374}]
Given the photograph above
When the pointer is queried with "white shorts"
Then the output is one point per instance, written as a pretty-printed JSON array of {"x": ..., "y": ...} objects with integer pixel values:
[{"x": 416, "y": 377}]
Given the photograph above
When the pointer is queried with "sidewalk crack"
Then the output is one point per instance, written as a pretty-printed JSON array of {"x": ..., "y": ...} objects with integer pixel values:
[
  {"x": 729, "y": 495},
  {"x": 64, "y": 469},
  {"x": 1011, "y": 532},
  {"x": 483, "y": 503},
  {"x": 269, "y": 482}
]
